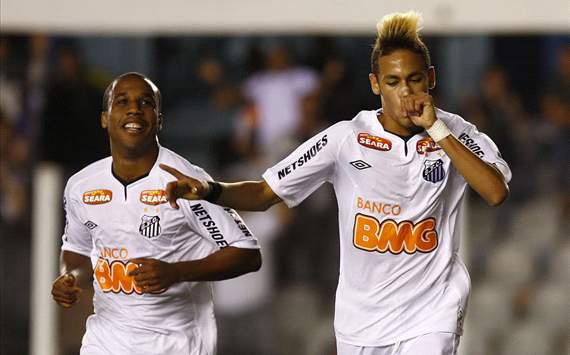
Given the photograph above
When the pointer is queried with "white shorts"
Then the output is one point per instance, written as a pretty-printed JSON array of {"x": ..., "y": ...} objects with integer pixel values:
[
  {"x": 428, "y": 344},
  {"x": 102, "y": 338}
]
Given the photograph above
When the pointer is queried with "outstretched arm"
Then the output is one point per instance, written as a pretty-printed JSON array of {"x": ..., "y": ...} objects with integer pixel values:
[
  {"x": 244, "y": 196},
  {"x": 155, "y": 276}
]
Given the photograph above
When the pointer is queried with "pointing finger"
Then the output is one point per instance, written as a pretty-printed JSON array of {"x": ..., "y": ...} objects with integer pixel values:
[{"x": 177, "y": 174}]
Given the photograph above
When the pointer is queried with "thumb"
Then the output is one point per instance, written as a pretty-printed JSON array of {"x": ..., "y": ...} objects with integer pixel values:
[{"x": 68, "y": 279}]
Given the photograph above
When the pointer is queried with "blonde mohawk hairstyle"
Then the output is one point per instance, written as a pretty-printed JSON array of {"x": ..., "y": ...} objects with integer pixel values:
[
  {"x": 399, "y": 26},
  {"x": 399, "y": 31}
]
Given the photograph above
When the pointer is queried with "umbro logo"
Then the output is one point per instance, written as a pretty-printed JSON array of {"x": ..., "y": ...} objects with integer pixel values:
[
  {"x": 89, "y": 224},
  {"x": 360, "y": 164}
]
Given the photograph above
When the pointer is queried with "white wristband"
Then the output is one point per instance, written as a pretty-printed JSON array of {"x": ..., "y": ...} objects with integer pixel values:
[{"x": 438, "y": 130}]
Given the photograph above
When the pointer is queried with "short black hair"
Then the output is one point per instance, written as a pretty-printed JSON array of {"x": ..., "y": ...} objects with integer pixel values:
[{"x": 111, "y": 86}]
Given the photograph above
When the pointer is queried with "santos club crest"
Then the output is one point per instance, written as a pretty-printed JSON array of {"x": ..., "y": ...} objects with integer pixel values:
[
  {"x": 433, "y": 170},
  {"x": 150, "y": 226}
]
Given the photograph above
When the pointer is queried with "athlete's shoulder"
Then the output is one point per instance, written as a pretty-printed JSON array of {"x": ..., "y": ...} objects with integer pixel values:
[
  {"x": 182, "y": 164},
  {"x": 340, "y": 131},
  {"x": 346, "y": 127},
  {"x": 365, "y": 118},
  {"x": 97, "y": 171}
]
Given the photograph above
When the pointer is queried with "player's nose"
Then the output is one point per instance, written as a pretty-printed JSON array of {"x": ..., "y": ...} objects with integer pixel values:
[{"x": 404, "y": 91}]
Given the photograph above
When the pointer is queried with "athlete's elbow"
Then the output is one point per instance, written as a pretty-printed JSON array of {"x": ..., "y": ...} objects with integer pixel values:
[
  {"x": 498, "y": 196},
  {"x": 265, "y": 198},
  {"x": 265, "y": 205},
  {"x": 254, "y": 262},
  {"x": 257, "y": 262},
  {"x": 260, "y": 206}
]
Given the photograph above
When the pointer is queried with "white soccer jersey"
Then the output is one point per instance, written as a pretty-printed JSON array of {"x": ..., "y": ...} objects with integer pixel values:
[
  {"x": 399, "y": 204},
  {"x": 112, "y": 223}
]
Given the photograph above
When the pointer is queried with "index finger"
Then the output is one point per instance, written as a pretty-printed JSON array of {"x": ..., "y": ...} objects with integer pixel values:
[
  {"x": 177, "y": 174},
  {"x": 141, "y": 261}
]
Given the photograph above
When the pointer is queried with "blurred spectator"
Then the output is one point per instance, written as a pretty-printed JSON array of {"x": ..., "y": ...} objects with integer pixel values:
[
  {"x": 14, "y": 173},
  {"x": 244, "y": 306},
  {"x": 222, "y": 108},
  {"x": 275, "y": 102},
  {"x": 337, "y": 93},
  {"x": 554, "y": 136},
  {"x": 560, "y": 82},
  {"x": 10, "y": 95},
  {"x": 35, "y": 83},
  {"x": 71, "y": 118},
  {"x": 16, "y": 163},
  {"x": 498, "y": 112}
]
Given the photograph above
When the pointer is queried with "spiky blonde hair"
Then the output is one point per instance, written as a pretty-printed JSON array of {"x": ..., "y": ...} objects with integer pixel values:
[{"x": 399, "y": 31}]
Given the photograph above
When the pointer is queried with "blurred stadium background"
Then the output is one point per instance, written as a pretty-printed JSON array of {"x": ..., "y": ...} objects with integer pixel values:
[{"x": 503, "y": 65}]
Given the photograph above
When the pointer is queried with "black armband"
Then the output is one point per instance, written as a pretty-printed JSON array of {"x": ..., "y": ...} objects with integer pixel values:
[{"x": 215, "y": 191}]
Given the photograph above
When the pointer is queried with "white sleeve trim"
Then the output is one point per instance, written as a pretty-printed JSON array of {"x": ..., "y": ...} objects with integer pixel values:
[
  {"x": 269, "y": 177},
  {"x": 70, "y": 247},
  {"x": 245, "y": 244}
]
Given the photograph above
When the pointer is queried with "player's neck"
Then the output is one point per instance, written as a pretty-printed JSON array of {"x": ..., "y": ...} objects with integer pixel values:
[{"x": 129, "y": 167}]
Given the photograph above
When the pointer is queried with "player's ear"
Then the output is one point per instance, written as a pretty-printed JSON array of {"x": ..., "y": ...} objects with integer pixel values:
[
  {"x": 160, "y": 120},
  {"x": 104, "y": 120},
  {"x": 431, "y": 77},
  {"x": 374, "y": 84}
]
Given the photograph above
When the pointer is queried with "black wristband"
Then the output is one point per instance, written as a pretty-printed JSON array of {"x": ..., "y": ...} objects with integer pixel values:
[{"x": 215, "y": 191}]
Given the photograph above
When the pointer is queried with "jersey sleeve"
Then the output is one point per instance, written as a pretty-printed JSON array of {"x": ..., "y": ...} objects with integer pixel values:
[
  {"x": 482, "y": 146},
  {"x": 76, "y": 236},
  {"x": 297, "y": 176},
  {"x": 218, "y": 225}
]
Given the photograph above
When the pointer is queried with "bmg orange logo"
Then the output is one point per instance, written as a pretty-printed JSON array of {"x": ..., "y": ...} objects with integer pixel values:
[
  {"x": 394, "y": 237},
  {"x": 114, "y": 277}
]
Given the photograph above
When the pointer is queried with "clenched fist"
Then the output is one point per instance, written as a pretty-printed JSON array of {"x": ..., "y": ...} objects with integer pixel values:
[{"x": 65, "y": 290}]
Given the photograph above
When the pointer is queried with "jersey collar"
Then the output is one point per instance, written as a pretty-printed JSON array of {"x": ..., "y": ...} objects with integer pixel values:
[
  {"x": 377, "y": 125},
  {"x": 151, "y": 171}
]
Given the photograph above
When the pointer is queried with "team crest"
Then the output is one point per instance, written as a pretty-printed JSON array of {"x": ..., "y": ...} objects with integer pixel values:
[
  {"x": 433, "y": 170},
  {"x": 150, "y": 226}
]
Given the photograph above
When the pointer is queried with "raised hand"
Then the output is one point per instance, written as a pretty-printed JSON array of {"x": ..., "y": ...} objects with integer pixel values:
[
  {"x": 154, "y": 276},
  {"x": 418, "y": 107},
  {"x": 184, "y": 187},
  {"x": 65, "y": 290}
]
